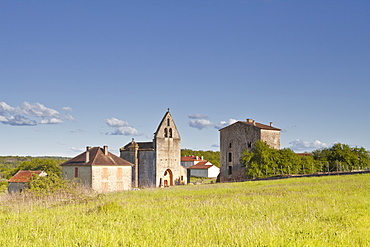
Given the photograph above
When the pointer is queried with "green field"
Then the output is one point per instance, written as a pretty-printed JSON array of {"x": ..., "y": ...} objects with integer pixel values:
[{"x": 324, "y": 211}]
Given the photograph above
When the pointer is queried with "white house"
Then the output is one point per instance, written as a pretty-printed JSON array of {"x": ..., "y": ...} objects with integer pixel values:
[
  {"x": 204, "y": 169},
  {"x": 190, "y": 160}
]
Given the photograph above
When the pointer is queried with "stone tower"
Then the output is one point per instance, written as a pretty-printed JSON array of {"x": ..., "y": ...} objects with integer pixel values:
[
  {"x": 236, "y": 138},
  {"x": 157, "y": 163}
]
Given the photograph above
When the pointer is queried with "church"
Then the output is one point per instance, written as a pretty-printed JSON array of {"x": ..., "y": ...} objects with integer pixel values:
[{"x": 157, "y": 163}]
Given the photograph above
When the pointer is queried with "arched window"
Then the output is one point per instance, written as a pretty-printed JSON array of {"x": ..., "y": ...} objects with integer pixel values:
[
  {"x": 168, "y": 122},
  {"x": 165, "y": 133},
  {"x": 170, "y": 133}
]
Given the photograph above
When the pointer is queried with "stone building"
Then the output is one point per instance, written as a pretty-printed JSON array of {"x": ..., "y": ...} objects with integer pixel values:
[
  {"x": 157, "y": 163},
  {"x": 20, "y": 181},
  {"x": 99, "y": 169},
  {"x": 236, "y": 138}
]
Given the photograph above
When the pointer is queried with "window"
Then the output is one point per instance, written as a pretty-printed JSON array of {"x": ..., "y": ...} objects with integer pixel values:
[
  {"x": 230, "y": 158},
  {"x": 76, "y": 172},
  {"x": 170, "y": 133},
  {"x": 119, "y": 186},
  {"x": 230, "y": 145},
  {"x": 230, "y": 170},
  {"x": 105, "y": 173},
  {"x": 119, "y": 173},
  {"x": 104, "y": 186},
  {"x": 249, "y": 144},
  {"x": 168, "y": 122},
  {"x": 165, "y": 133}
]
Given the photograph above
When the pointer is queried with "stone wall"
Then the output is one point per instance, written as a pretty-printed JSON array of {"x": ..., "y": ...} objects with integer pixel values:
[
  {"x": 271, "y": 137},
  {"x": 111, "y": 178},
  {"x": 84, "y": 174}
]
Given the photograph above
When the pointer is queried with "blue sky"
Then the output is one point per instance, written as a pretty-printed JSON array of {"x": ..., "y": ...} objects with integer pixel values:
[{"x": 93, "y": 73}]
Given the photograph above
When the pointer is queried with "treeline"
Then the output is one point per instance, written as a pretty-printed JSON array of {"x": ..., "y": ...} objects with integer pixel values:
[
  {"x": 10, "y": 165},
  {"x": 263, "y": 161},
  {"x": 211, "y": 156}
]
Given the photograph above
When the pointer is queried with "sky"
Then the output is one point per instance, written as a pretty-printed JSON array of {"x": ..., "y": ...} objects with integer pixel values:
[{"x": 94, "y": 73}]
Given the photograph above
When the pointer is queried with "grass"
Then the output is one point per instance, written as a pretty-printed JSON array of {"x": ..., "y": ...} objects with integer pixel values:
[{"x": 319, "y": 211}]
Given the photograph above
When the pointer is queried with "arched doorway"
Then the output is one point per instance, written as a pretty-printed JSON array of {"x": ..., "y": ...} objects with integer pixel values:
[{"x": 168, "y": 178}]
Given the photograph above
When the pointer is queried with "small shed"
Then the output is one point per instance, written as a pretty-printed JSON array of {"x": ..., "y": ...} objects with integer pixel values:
[{"x": 21, "y": 179}]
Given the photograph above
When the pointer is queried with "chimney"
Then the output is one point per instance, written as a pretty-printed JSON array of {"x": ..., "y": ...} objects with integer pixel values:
[
  {"x": 249, "y": 120},
  {"x": 105, "y": 150},
  {"x": 271, "y": 124},
  {"x": 254, "y": 122},
  {"x": 87, "y": 154},
  {"x": 202, "y": 158}
]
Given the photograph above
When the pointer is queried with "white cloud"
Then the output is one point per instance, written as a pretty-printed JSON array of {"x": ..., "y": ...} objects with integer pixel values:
[
  {"x": 77, "y": 150},
  {"x": 67, "y": 108},
  {"x": 18, "y": 120},
  {"x": 69, "y": 117},
  {"x": 223, "y": 124},
  {"x": 51, "y": 121},
  {"x": 127, "y": 131},
  {"x": 121, "y": 127},
  {"x": 114, "y": 122},
  {"x": 301, "y": 145},
  {"x": 200, "y": 123},
  {"x": 5, "y": 108},
  {"x": 3, "y": 119},
  {"x": 215, "y": 145},
  {"x": 38, "y": 110},
  {"x": 197, "y": 116}
]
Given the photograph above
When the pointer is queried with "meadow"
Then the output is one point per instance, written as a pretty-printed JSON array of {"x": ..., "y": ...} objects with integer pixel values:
[{"x": 316, "y": 211}]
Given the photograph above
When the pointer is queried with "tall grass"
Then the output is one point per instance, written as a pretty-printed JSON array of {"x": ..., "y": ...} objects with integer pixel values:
[{"x": 325, "y": 211}]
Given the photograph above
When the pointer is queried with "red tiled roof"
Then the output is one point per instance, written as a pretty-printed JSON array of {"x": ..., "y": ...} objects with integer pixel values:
[
  {"x": 97, "y": 157},
  {"x": 191, "y": 158},
  {"x": 201, "y": 165},
  {"x": 23, "y": 176},
  {"x": 304, "y": 154}
]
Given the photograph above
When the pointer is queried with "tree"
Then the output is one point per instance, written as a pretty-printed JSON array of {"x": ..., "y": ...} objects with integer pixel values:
[
  {"x": 49, "y": 166},
  {"x": 47, "y": 184},
  {"x": 341, "y": 157},
  {"x": 260, "y": 161}
]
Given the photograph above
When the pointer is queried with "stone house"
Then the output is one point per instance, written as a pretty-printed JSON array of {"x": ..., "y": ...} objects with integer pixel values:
[
  {"x": 157, "y": 163},
  {"x": 99, "y": 169},
  {"x": 20, "y": 181},
  {"x": 236, "y": 138}
]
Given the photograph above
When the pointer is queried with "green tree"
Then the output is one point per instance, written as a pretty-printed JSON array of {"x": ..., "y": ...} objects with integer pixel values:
[
  {"x": 260, "y": 161},
  {"x": 50, "y": 166},
  {"x": 341, "y": 157},
  {"x": 47, "y": 184}
]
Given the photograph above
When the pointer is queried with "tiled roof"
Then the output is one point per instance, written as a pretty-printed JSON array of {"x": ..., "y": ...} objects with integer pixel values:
[
  {"x": 97, "y": 157},
  {"x": 201, "y": 165},
  {"x": 258, "y": 125},
  {"x": 23, "y": 176},
  {"x": 192, "y": 158},
  {"x": 142, "y": 145}
]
